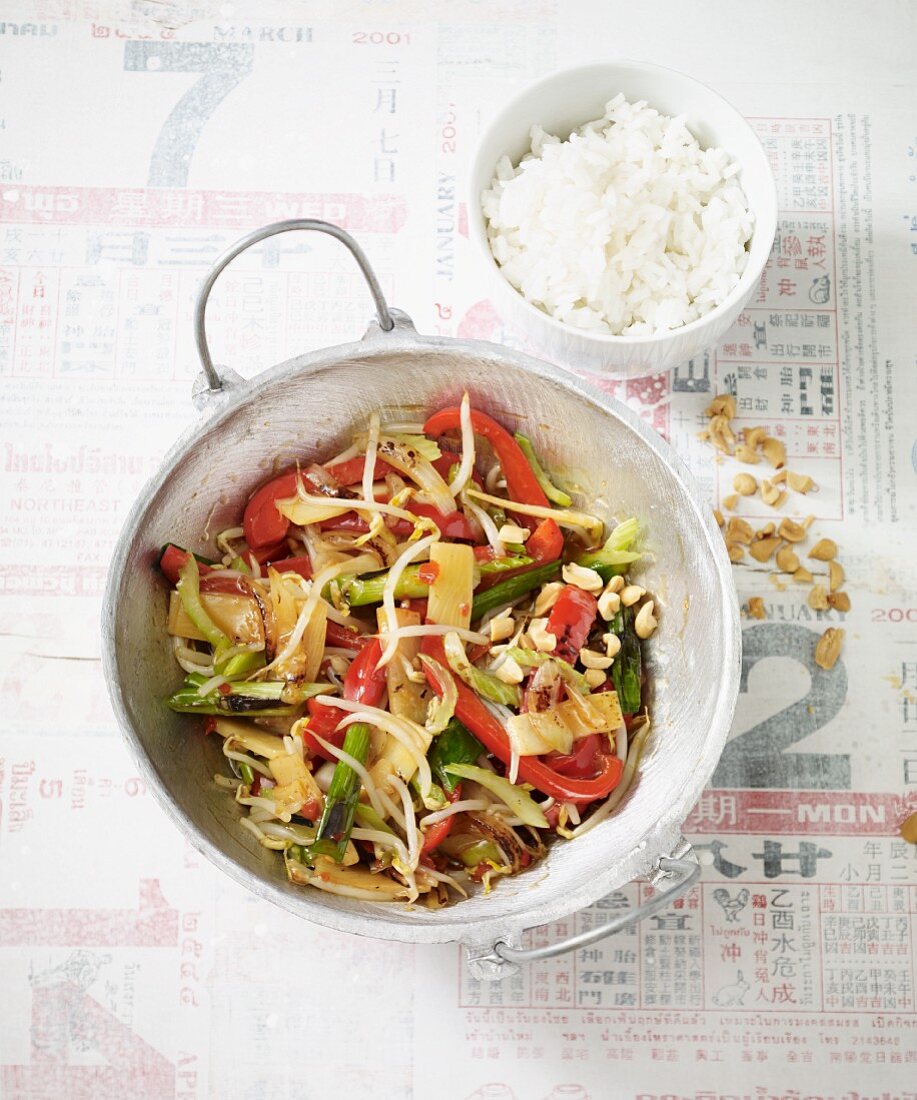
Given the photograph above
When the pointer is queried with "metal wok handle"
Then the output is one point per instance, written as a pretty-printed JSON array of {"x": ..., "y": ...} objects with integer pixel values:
[
  {"x": 681, "y": 870},
  {"x": 386, "y": 321}
]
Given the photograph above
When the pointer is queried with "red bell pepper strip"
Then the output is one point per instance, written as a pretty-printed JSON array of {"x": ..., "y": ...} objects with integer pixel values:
[
  {"x": 571, "y": 620},
  {"x": 173, "y": 558},
  {"x": 302, "y": 566},
  {"x": 230, "y": 586},
  {"x": 350, "y": 471},
  {"x": 364, "y": 683},
  {"x": 264, "y": 554},
  {"x": 345, "y": 637},
  {"x": 436, "y": 834},
  {"x": 583, "y": 762},
  {"x": 452, "y": 525},
  {"x": 472, "y": 713},
  {"x": 262, "y": 523},
  {"x": 545, "y": 544},
  {"x": 521, "y": 482}
]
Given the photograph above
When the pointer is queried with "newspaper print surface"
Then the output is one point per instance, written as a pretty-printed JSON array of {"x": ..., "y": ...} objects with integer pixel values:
[{"x": 139, "y": 140}]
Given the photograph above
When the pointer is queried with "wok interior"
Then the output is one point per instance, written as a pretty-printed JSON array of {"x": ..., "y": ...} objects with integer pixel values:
[{"x": 615, "y": 473}]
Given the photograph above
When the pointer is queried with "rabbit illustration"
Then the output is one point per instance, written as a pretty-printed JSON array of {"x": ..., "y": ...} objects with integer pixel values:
[{"x": 730, "y": 995}]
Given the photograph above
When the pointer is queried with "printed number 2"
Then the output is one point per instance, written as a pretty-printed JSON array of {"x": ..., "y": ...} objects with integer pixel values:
[
  {"x": 758, "y": 757},
  {"x": 223, "y": 65}
]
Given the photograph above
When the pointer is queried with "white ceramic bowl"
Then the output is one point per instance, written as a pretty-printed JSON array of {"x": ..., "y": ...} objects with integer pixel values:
[{"x": 563, "y": 102}]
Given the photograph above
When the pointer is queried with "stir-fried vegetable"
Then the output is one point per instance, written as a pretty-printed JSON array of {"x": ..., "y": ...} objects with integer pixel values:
[
  {"x": 616, "y": 554},
  {"x": 512, "y": 589},
  {"x": 555, "y": 495},
  {"x": 519, "y": 800},
  {"x": 336, "y": 822},
  {"x": 455, "y": 745},
  {"x": 484, "y": 683},
  {"x": 627, "y": 669},
  {"x": 451, "y": 574},
  {"x": 402, "y": 659}
]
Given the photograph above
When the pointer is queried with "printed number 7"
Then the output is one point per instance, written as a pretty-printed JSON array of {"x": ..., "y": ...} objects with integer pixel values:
[
  {"x": 758, "y": 757},
  {"x": 224, "y": 65}
]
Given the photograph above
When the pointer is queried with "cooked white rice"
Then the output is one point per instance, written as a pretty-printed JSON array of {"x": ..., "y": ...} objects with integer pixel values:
[{"x": 628, "y": 227}]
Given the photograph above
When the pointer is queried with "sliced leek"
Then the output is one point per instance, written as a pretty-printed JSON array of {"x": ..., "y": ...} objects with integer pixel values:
[{"x": 452, "y": 588}]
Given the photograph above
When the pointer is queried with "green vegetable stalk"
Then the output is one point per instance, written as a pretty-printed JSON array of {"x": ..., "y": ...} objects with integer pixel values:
[
  {"x": 616, "y": 554},
  {"x": 512, "y": 588},
  {"x": 517, "y": 798},
  {"x": 626, "y": 670},
  {"x": 501, "y": 565},
  {"x": 359, "y": 591},
  {"x": 189, "y": 590},
  {"x": 242, "y": 664},
  {"x": 550, "y": 490},
  {"x": 267, "y": 699},
  {"x": 336, "y": 822}
]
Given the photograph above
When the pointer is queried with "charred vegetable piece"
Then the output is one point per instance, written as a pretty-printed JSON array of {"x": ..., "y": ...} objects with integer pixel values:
[
  {"x": 268, "y": 699},
  {"x": 626, "y": 672},
  {"x": 336, "y": 822},
  {"x": 189, "y": 591},
  {"x": 571, "y": 620}
]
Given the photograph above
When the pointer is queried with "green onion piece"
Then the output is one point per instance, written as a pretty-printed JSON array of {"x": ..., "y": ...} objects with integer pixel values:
[
  {"x": 455, "y": 745},
  {"x": 518, "y": 800},
  {"x": 264, "y": 699},
  {"x": 248, "y": 776},
  {"x": 626, "y": 670},
  {"x": 359, "y": 591},
  {"x": 555, "y": 495},
  {"x": 336, "y": 822},
  {"x": 242, "y": 664},
  {"x": 187, "y": 701},
  {"x": 512, "y": 588},
  {"x": 501, "y": 565}
]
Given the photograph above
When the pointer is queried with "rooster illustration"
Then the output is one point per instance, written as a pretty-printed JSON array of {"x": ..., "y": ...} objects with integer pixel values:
[{"x": 731, "y": 906}]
